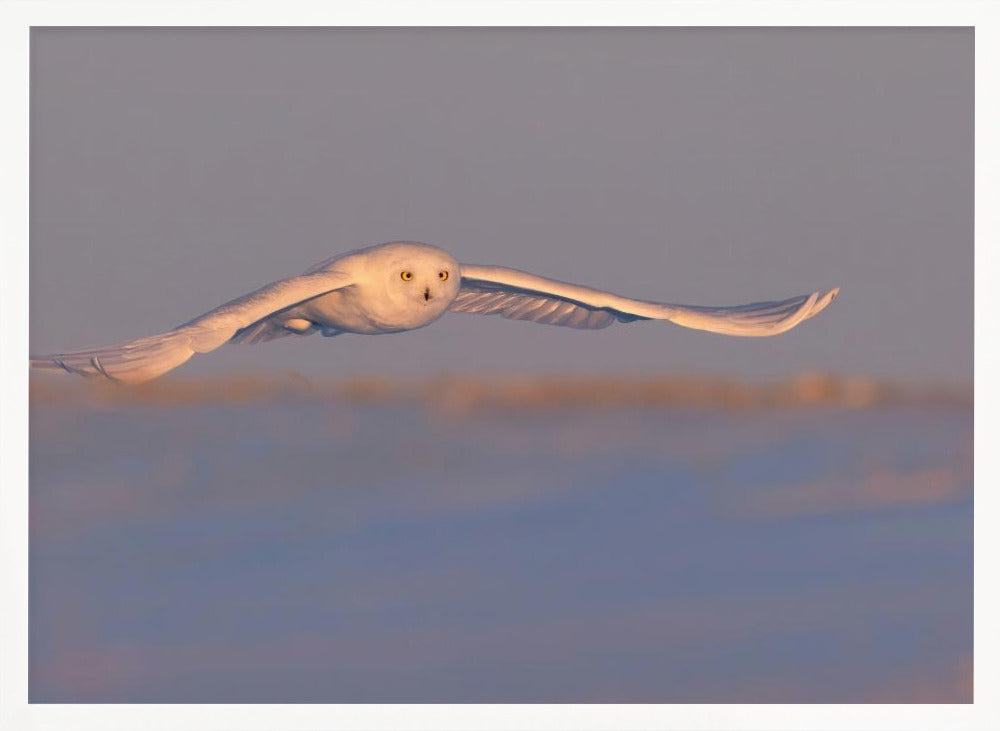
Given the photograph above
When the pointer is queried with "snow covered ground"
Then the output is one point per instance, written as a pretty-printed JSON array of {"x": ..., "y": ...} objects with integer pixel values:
[{"x": 355, "y": 551}]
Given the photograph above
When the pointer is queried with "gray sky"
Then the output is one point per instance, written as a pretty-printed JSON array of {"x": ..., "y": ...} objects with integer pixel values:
[{"x": 174, "y": 169}]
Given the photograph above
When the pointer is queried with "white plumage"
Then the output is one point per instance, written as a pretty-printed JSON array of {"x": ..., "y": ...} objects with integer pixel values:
[{"x": 403, "y": 286}]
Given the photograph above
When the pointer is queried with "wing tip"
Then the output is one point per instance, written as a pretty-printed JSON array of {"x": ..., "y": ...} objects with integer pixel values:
[
  {"x": 817, "y": 302},
  {"x": 133, "y": 362},
  {"x": 827, "y": 298}
]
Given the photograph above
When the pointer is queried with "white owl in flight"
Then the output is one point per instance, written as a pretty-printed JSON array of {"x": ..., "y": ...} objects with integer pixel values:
[{"x": 401, "y": 286}]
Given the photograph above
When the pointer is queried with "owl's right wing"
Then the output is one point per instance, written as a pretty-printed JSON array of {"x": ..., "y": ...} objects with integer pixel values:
[
  {"x": 518, "y": 295},
  {"x": 146, "y": 358}
]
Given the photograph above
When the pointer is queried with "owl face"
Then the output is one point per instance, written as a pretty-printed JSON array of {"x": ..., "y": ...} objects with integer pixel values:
[{"x": 416, "y": 278}]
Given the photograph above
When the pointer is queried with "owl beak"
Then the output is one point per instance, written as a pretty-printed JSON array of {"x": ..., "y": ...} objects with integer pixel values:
[{"x": 427, "y": 294}]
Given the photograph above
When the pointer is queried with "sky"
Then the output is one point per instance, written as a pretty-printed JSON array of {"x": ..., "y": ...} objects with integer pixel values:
[{"x": 175, "y": 169}]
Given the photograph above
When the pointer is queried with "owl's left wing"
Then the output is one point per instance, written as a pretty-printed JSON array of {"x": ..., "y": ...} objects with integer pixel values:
[
  {"x": 517, "y": 295},
  {"x": 147, "y": 358}
]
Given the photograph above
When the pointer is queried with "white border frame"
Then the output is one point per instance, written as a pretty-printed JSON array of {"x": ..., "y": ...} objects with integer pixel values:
[{"x": 19, "y": 15}]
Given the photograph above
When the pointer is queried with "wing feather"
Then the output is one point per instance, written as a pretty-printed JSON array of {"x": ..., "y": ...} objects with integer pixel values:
[
  {"x": 146, "y": 358},
  {"x": 518, "y": 295}
]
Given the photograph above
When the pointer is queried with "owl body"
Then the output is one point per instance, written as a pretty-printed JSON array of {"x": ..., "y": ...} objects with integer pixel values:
[{"x": 395, "y": 287}]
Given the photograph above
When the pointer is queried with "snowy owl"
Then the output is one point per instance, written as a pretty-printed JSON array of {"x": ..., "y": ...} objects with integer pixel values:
[{"x": 401, "y": 286}]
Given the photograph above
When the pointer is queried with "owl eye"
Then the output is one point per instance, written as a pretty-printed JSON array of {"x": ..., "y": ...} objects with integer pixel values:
[
  {"x": 443, "y": 274},
  {"x": 405, "y": 275}
]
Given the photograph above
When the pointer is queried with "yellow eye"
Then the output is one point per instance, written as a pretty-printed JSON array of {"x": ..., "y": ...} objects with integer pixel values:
[
  {"x": 443, "y": 274},
  {"x": 406, "y": 276}
]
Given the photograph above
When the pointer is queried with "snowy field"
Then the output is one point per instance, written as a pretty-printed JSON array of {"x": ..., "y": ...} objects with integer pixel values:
[{"x": 366, "y": 550}]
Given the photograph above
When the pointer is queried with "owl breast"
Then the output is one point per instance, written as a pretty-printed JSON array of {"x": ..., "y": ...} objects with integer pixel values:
[{"x": 349, "y": 311}]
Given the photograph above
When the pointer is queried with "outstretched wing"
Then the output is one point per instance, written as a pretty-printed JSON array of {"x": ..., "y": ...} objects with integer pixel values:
[
  {"x": 517, "y": 295},
  {"x": 146, "y": 358}
]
